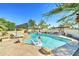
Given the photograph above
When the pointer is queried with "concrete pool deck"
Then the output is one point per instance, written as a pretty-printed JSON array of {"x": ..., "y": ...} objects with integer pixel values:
[{"x": 8, "y": 48}]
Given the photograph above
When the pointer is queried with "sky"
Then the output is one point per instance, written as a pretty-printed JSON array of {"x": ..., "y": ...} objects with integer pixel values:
[{"x": 22, "y": 12}]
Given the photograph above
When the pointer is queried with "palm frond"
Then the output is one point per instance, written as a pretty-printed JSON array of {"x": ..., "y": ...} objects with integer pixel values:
[
  {"x": 61, "y": 8},
  {"x": 54, "y": 11},
  {"x": 63, "y": 18}
]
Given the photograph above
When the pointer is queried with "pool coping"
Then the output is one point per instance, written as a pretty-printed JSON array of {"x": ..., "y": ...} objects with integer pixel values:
[{"x": 72, "y": 39}]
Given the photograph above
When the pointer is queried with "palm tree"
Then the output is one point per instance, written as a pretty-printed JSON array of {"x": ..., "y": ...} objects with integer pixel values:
[
  {"x": 31, "y": 24},
  {"x": 71, "y": 8},
  {"x": 43, "y": 25}
]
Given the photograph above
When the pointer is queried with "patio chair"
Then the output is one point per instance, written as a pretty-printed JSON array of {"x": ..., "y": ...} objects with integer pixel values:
[{"x": 37, "y": 43}]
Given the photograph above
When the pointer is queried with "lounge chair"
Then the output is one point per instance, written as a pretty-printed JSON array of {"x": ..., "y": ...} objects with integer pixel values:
[{"x": 37, "y": 43}]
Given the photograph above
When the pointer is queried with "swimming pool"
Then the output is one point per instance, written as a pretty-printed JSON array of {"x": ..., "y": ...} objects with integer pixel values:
[{"x": 48, "y": 41}]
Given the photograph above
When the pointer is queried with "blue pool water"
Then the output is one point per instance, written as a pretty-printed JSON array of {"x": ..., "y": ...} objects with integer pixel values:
[{"x": 48, "y": 41}]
